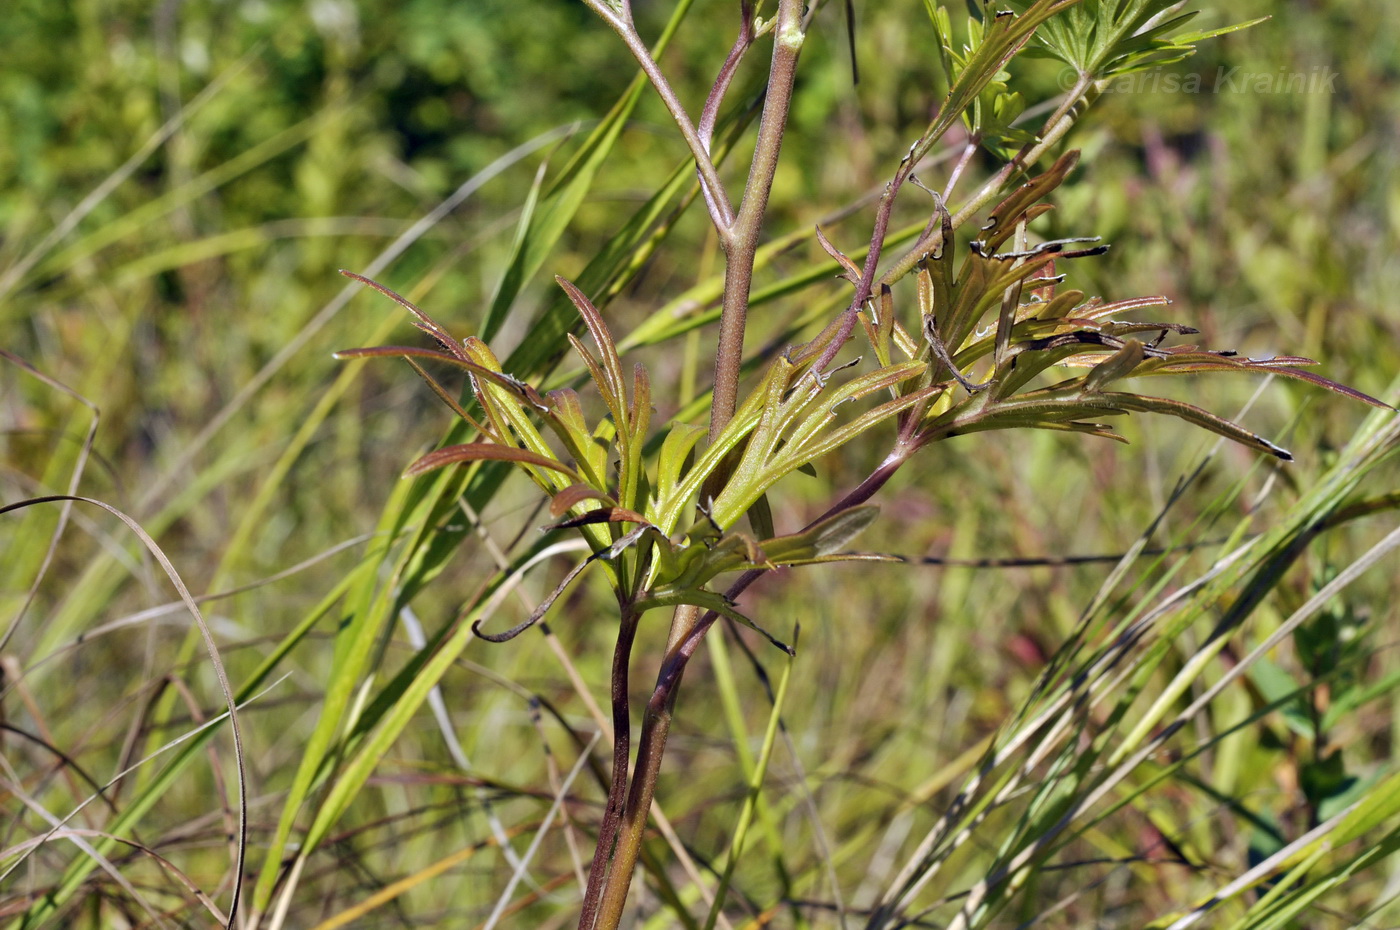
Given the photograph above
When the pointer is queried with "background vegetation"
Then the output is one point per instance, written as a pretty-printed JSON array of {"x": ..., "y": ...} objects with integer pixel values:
[{"x": 178, "y": 186}]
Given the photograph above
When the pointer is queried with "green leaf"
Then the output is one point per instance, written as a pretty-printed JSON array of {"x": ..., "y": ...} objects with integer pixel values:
[
  {"x": 709, "y": 600},
  {"x": 825, "y": 537},
  {"x": 479, "y": 451},
  {"x": 567, "y": 421},
  {"x": 674, "y": 451},
  {"x": 1202, "y": 418},
  {"x": 1380, "y": 805}
]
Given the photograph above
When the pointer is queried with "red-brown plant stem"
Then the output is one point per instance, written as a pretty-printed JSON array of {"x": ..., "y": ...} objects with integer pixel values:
[
  {"x": 715, "y": 197},
  {"x": 710, "y": 113},
  {"x": 622, "y": 751},
  {"x": 742, "y": 241},
  {"x": 656, "y": 724},
  {"x": 739, "y": 236}
]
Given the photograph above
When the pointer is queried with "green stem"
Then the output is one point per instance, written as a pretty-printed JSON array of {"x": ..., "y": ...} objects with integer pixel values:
[
  {"x": 742, "y": 243},
  {"x": 716, "y": 198},
  {"x": 739, "y": 235}
]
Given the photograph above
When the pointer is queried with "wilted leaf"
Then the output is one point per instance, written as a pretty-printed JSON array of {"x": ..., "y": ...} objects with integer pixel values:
[
  {"x": 538, "y": 613},
  {"x": 612, "y": 366},
  {"x": 1196, "y": 415},
  {"x": 514, "y": 385},
  {"x": 420, "y": 319},
  {"x": 851, "y": 271}
]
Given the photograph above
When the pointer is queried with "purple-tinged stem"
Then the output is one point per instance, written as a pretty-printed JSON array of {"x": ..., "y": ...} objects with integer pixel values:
[
  {"x": 621, "y": 22},
  {"x": 617, "y": 790}
]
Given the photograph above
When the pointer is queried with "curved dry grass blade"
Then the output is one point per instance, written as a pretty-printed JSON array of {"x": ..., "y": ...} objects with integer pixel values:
[
  {"x": 103, "y": 791},
  {"x": 166, "y": 866},
  {"x": 215, "y": 661},
  {"x": 67, "y": 509},
  {"x": 11, "y": 785},
  {"x": 478, "y": 451},
  {"x": 161, "y": 610}
]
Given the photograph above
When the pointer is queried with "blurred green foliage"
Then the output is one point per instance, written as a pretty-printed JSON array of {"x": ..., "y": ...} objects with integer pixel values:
[{"x": 1272, "y": 220}]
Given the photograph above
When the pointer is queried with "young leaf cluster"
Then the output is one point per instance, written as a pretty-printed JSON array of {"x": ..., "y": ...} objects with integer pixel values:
[
  {"x": 649, "y": 521},
  {"x": 997, "y": 321}
]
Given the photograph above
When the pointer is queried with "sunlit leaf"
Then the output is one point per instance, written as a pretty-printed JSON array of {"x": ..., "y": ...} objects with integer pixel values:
[
  {"x": 826, "y": 537},
  {"x": 479, "y": 451},
  {"x": 564, "y": 501}
]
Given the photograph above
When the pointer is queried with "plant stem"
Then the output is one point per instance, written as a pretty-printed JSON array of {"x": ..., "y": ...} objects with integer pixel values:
[
  {"x": 617, "y": 789},
  {"x": 721, "y": 211},
  {"x": 710, "y": 113},
  {"x": 742, "y": 243},
  {"x": 623, "y": 826},
  {"x": 656, "y": 726}
]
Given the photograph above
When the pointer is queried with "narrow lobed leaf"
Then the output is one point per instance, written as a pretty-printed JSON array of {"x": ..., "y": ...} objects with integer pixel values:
[{"x": 482, "y": 451}]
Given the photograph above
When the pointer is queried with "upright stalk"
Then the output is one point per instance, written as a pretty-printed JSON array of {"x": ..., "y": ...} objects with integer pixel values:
[
  {"x": 656, "y": 726},
  {"x": 741, "y": 243},
  {"x": 739, "y": 235},
  {"x": 617, "y": 788},
  {"x": 624, "y": 824}
]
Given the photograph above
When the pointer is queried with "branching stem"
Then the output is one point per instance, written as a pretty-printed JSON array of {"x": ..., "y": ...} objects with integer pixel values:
[
  {"x": 742, "y": 243},
  {"x": 621, "y": 21}
]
